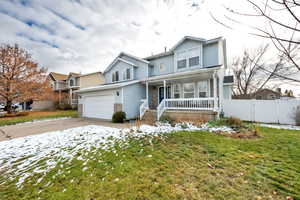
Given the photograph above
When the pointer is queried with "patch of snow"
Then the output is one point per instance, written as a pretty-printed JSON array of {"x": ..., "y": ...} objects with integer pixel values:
[
  {"x": 38, "y": 154},
  {"x": 279, "y": 126}
]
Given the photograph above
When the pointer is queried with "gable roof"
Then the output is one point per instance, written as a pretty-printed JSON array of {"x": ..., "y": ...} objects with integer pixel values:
[
  {"x": 58, "y": 76},
  {"x": 118, "y": 58},
  {"x": 187, "y": 38},
  {"x": 171, "y": 51}
]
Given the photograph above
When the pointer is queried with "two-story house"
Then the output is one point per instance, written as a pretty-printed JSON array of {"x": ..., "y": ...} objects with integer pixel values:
[
  {"x": 66, "y": 85},
  {"x": 188, "y": 77}
]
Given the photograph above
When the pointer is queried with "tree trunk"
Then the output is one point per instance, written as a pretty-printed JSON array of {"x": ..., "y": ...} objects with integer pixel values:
[{"x": 9, "y": 106}]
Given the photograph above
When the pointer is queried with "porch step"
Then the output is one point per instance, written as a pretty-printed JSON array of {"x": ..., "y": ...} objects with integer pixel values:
[{"x": 150, "y": 116}]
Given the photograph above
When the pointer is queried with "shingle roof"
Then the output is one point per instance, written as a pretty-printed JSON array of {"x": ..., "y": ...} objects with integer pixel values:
[{"x": 58, "y": 76}]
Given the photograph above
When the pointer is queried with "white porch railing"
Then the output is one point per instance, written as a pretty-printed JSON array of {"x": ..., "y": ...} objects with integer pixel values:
[
  {"x": 187, "y": 104},
  {"x": 160, "y": 109},
  {"x": 143, "y": 108},
  {"x": 191, "y": 104}
]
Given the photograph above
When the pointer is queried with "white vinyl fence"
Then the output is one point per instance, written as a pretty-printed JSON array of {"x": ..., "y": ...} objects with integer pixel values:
[{"x": 267, "y": 111}]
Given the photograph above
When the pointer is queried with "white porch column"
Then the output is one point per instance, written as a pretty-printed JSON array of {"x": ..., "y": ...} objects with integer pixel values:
[
  {"x": 215, "y": 90},
  {"x": 165, "y": 91},
  {"x": 71, "y": 97},
  {"x": 147, "y": 93},
  {"x": 221, "y": 77}
]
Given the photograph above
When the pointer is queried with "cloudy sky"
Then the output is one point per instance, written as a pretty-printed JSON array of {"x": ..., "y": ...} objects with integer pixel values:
[{"x": 85, "y": 35}]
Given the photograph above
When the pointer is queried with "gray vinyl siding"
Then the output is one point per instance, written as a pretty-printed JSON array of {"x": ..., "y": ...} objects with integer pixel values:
[
  {"x": 210, "y": 55},
  {"x": 167, "y": 61},
  {"x": 119, "y": 66},
  {"x": 210, "y": 58},
  {"x": 141, "y": 72},
  {"x": 133, "y": 94}
]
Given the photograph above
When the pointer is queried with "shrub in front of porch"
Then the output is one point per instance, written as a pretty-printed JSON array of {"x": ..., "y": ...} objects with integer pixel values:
[{"x": 119, "y": 117}]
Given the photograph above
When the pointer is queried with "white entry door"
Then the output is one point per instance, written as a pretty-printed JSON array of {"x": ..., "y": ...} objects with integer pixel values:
[{"x": 98, "y": 107}]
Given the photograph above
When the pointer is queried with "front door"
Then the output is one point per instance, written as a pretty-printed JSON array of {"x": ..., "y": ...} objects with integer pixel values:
[{"x": 161, "y": 93}]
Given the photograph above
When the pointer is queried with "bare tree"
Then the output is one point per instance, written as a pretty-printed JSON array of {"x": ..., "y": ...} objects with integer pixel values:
[
  {"x": 21, "y": 79},
  {"x": 281, "y": 17},
  {"x": 253, "y": 71}
]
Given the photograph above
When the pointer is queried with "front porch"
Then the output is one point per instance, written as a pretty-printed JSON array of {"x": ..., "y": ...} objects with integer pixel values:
[{"x": 197, "y": 93}]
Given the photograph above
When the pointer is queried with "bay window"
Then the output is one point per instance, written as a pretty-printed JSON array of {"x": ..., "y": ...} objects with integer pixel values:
[{"x": 189, "y": 90}]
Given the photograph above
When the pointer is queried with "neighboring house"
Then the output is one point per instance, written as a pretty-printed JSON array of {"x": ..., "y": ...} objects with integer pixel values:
[
  {"x": 65, "y": 85},
  {"x": 263, "y": 94},
  {"x": 188, "y": 77}
]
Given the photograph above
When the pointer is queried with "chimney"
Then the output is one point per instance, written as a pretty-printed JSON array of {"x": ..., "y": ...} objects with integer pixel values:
[{"x": 165, "y": 49}]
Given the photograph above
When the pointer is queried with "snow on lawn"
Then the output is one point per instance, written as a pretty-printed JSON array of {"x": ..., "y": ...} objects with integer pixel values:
[
  {"x": 37, "y": 154},
  {"x": 279, "y": 126}
]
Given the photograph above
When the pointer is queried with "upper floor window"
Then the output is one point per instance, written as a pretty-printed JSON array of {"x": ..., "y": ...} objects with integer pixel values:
[
  {"x": 181, "y": 60},
  {"x": 189, "y": 90},
  {"x": 203, "y": 89},
  {"x": 162, "y": 67},
  {"x": 127, "y": 74},
  {"x": 181, "y": 64},
  {"x": 194, "y": 61},
  {"x": 115, "y": 76},
  {"x": 71, "y": 82}
]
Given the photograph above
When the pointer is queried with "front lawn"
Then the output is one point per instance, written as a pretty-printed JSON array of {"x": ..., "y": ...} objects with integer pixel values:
[
  {"x": 35, "y": 115},
  {"x": 183, "y": 165}
]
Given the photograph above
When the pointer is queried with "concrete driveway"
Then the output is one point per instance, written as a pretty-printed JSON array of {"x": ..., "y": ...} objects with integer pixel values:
[{"x": 22, "y": 130}]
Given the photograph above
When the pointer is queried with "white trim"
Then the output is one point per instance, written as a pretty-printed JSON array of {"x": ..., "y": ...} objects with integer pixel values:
[
  {"x": 106, "y": 87},
  {"x": 89, "y": 74},
  {"x": 189, "y": 92},
  {"x": 187, "y": 56},
  {"x": 127, "y": 62}
]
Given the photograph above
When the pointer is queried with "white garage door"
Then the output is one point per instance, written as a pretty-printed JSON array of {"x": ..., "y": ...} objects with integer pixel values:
[{"x": 98, "y": 107}]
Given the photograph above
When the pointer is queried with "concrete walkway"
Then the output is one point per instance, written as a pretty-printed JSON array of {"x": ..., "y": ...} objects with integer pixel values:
[{"x": 22, "y": 130}]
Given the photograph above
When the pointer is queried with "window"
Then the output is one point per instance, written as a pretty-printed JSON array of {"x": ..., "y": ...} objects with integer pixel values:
[
  {"x": 162, "y": 67},
  {"x": 128, "y": 74},
  {"x": 203, "y": 89},
  {"x": 181, "y": 60},
  {"x": 194, "y": 61},
  {"x": 181, "y": 64},
  {"x": 71, "y": 82},
  {"x": 115, "y": 76},
  {"x": 176, "y": 91},
  {"x": 189, "y": 90}
]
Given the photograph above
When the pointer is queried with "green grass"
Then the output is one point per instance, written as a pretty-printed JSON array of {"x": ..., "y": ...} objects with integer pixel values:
[
  {"x": 196, "y": 165},
  {"x": 37, "y": 116}
]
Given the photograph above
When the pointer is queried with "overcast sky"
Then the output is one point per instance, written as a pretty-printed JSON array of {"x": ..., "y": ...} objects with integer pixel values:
[{"x": 85, "y": 35}]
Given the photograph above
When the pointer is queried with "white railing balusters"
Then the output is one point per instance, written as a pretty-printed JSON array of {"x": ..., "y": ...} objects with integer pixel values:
[
  {"x": 143, "y": 108},
  {"x": 189, "y": 104},
  {"x": 161, "y": 108}
]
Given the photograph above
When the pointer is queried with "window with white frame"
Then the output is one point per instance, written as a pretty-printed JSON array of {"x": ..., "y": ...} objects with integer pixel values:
[
  {"x": 176, "y": 91},
  {"x": 71, "y": 82},
  {"x": 194, "y": 57},
  {"x": 203, "y": 89},
  {"x": 162, "y": 67},
  {"x": 127, "y": 74},
  {"x": 181, "y": 60},
  {"x": 115, "y": 76},
  {"x": 189, "y": 90}
]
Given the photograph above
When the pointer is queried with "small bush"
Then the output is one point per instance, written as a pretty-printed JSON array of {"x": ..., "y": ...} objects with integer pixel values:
[
  {"x": 118, "y": 117},
  {"x": 166, "y": 119},
  {"x": 64, "y": 106},
  {"x": 234, "y": 122}
]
